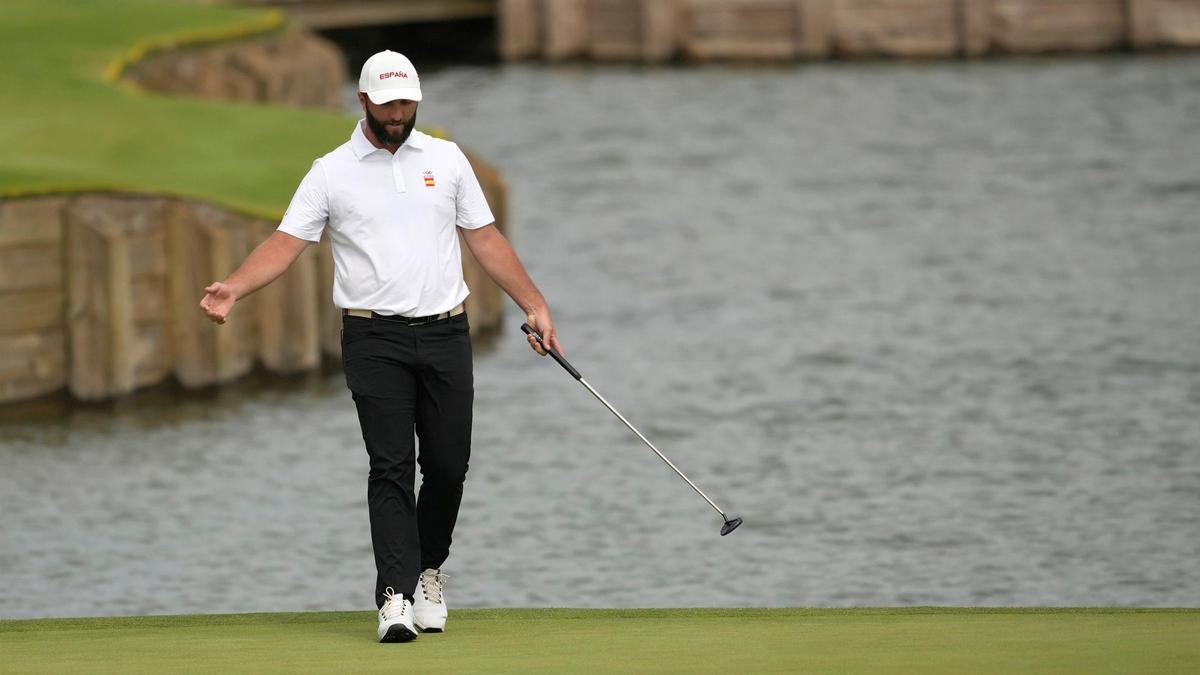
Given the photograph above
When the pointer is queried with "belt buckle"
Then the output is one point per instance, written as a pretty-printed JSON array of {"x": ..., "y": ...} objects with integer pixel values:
[{"x": 434, "y": 318}]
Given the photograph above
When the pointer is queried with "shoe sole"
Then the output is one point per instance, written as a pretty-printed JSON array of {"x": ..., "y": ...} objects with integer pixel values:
[
  {"x": 398, "y": 633},
  {"x": 424, "y": 629}
]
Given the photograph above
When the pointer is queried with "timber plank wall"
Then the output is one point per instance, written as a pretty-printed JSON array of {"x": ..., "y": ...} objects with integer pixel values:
[
  {"x": 101, "y": 291},
  {"x": 783, "y": 30}
]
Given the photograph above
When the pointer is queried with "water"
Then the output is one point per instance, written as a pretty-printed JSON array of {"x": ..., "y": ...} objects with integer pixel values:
[{"x": 933, "y": 330}]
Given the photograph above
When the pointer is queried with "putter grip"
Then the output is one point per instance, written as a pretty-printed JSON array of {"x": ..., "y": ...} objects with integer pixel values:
[{"x": 557, "y": 357}]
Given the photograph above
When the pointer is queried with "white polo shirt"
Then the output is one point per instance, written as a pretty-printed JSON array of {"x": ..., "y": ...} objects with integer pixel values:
[{"x": 391, "y": 220}]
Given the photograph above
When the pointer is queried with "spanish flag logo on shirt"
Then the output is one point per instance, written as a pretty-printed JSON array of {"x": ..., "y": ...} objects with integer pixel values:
[{"x": 429, "y": 179}]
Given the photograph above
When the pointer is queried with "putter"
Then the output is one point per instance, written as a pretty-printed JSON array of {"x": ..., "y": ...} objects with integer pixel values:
[{"x": 730, "y": 523}]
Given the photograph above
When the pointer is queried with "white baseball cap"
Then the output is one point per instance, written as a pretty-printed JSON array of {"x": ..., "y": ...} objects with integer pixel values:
[{"x": 387, "y": 76}]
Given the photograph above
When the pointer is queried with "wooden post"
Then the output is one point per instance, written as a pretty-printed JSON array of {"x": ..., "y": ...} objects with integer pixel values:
[
  {"x": 33, "y": 351},
  {"x": 329, "y": 314},
  {"x": 911, "y": 28},
  {"x": 564, "y": 28},
  {"x": 615, "y": 30},
  {"x": 1154, "y": 24},
  {"x": 975, "y": 18},
  {"x": 519, "y": 27},
  {"x": 90, "y": 256},
  {"x": 206, "y": 244},
  {"x": 814, "y": 35},
  {"x": 660, "y": 30},
  {"x": 231, "y": 343},
  {"x": 1036, "y": 26},
  {"x": 486, "y": 303},
  {"x": 116, "y": 287},
  {"x": 632, "y": 30},
  {"x": 288, "y": 323},
  {"x": 757, "y": 30},
  {"x": 119, "y": 286}
]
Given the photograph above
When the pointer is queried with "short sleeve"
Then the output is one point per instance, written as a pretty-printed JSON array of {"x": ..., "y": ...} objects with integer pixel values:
[
  {"x": 473, "y": 211},
  {"x": 306, "y": 216}
]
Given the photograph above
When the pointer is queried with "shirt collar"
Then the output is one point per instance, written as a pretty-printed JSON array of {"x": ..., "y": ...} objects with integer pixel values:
[{"x": 363, "y": 147}]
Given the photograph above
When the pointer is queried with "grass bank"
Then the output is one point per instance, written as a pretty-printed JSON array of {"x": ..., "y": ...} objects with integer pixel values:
[
  {"x": 924, "y": 640},
  {"x": 66, "y": 126}
]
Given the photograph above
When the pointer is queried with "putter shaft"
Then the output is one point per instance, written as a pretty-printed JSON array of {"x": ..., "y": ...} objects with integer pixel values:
[
  {"x": 651, "y": 446},
  {"x": 575, "y": 374}
]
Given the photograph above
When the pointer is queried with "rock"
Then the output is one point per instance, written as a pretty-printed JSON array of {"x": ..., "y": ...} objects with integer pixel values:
[{"x": 291, "y": 68}]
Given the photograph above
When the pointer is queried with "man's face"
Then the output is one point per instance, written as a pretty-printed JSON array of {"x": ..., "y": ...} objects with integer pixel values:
[{"x": 391, "y": 122}]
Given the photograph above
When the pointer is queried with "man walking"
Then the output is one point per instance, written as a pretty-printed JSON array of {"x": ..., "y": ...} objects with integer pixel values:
[{"x": 394, "y": 201}]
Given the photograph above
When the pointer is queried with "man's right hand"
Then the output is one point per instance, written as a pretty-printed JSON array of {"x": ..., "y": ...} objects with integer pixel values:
[
  {"x": 218, "y": 301},
  {"x": 264, "y": 264}
]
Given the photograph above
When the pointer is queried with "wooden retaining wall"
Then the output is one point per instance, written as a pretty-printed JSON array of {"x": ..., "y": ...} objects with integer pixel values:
[
  {"x": 781, "y": 30},
  {"x": 100, "y": 295}
]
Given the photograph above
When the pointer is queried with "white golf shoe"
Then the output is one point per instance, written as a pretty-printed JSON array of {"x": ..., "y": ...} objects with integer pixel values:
[
  {"x": 429, "y": 606},
  {"x": 396, "y": 618}
]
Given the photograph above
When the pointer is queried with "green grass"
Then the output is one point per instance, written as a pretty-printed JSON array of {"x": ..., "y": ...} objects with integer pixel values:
[
  {"x": 65, "y": 127},
  {"x": 916, "y": 640}
]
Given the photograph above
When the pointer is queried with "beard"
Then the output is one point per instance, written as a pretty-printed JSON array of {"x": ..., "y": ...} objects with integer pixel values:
[{"x": 380, "y": 130}]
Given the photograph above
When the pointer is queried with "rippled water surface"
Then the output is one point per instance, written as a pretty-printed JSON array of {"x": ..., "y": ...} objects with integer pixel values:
[{"x": 933, "y": 330}]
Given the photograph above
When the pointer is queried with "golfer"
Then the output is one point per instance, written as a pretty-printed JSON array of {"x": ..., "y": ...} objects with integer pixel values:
[{"x": 394, "y": 201}]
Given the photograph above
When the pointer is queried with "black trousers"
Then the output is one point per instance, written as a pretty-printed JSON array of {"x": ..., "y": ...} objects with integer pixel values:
[{"x": 409, "y": 383}]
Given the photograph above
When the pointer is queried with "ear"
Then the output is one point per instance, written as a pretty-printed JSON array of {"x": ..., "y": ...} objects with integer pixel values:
[{"x": 362, "y": 100}]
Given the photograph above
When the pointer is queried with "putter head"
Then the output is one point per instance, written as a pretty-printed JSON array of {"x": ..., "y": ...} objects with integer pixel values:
[{"x": 730, "y": 525}]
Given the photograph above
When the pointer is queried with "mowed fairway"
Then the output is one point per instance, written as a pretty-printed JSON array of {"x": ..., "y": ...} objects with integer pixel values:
[
  {"x": 65, "y": 128},
  {"x": 558, "y": 640}
]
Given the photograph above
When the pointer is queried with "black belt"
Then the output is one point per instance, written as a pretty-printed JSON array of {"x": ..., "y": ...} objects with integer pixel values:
[{"x": 406, "y": 320}]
